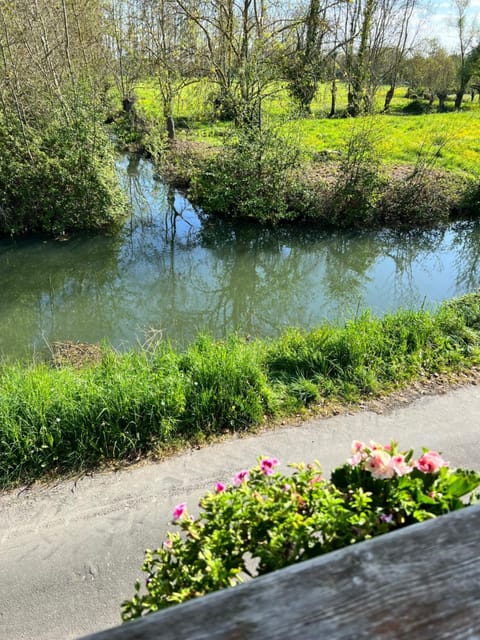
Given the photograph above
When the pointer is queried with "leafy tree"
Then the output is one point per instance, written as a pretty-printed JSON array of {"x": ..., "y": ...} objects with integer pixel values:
[{"x": 57, "y": 172}]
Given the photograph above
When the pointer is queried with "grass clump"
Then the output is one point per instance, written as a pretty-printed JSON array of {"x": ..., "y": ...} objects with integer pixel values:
[
  {"x": 55, "y": 420},
  {"x": 226, "y": 386}
]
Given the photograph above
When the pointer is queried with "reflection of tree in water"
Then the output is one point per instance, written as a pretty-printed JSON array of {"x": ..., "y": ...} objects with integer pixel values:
[
  {"x": 466, "y": 242},
  {"x": 347, "y": 259},
  {"x": 407, "y": 250},
  {"x": 262, "y": 277}
]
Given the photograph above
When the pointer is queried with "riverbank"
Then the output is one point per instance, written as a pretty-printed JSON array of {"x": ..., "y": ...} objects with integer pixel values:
[
  {"x": 404, "y": 169},
  {"x": 80, "y": 541},
  {"x": 152, "y": 402},
  {"x": 331, "y": 191}
]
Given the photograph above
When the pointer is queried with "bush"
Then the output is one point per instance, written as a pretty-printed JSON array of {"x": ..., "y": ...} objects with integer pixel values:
[
  {"x": 252, "y": 178},
  {"x": 424, "y": 198},
  {"x": 357, "y": 188},
  {"x": 57, "y": 179},
  {"x": 267, "y": 520}
]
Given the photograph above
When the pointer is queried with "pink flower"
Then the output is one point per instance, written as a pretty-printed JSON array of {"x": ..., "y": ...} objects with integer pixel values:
[
  {"x": 380, "y": 465},
  {"x": 267, "y": 465},
  {"x": 399, "y": 465},
  {"x": 240, "y": 477},
  {"x": 431, "y": 462},
  {"x": 374, "y": 446},
  {"x": 179, "y": 510},
  {"x": 219, "y": 487},
  {"x": 357, "y": 446},
  {"x": 315, "y": 480},
  {"x": 168, "y": 544},
  {"x": 355, "y": 460}
]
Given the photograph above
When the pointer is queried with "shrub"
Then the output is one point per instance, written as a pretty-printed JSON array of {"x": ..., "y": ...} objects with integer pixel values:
[
  {"x": 252, "y": 178},
  {"x": 266, "y": 520},
  {"x": 424, "y": 198},
  {"x": 57, "y": 179},
  {"x": 358, "y": 186}
]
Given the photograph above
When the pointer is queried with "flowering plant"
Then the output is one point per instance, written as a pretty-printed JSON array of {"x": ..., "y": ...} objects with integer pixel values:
[{"x": 265, "y": 520}]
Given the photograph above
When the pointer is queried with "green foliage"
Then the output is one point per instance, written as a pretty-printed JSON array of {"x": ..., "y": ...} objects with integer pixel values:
[
  {"x": 65, "y": 419},
  {"x": 357, "y": 188},
  {"x": 250, "y": 179},
  {"x": 58, "y": 420},
  {"x": 424, "y": 197},
  {"x": 226, "y": 386},
  {"x": 56, "y": 179},
  {"x": 268, "y": 520}
]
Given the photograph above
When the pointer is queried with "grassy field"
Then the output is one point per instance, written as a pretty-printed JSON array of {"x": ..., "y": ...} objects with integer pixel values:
[
  {"x": 452, "y": 139},
  {"x": 57, "y": 420}
]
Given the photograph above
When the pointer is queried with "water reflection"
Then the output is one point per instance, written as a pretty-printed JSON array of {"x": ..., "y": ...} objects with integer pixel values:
[{"x": 172, "y": 272}]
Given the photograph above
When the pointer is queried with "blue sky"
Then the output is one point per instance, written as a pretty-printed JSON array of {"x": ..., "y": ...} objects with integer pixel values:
[{"x": 436, "y": 19}]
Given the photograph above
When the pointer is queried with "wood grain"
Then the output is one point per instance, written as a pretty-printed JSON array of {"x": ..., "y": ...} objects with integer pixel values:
[{"x": 421, "y": 582}]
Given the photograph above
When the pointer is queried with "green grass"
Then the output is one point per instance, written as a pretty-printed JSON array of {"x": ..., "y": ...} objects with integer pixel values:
[
  {"x": 62, "y": 420},
  {"x": 401, "y": 137}
]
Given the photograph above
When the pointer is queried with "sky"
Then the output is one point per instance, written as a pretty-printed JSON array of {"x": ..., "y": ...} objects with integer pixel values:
[{"x": 436, "y": 19}]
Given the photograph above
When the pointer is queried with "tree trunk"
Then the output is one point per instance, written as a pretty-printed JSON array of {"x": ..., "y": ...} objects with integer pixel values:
[
  {"x": 333, "y": 101},
  {"x": 441, "y": 102},
  {"x": 127, "y": 103},
  {"x": 388, "y": 98},
  {"x": 170, "y": 127},
  {"x": 458, "y": 99}
]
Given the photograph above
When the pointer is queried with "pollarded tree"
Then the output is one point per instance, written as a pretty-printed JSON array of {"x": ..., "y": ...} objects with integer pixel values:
[
  {"x": 305, "y": 66},
  {"x": 375, "y": 35},
  {"x": 431, "y": 73},
  {"x": 166, "y": 43},
  {"x": 123, "y": 39},
  {"x": 359, "y": 21}
]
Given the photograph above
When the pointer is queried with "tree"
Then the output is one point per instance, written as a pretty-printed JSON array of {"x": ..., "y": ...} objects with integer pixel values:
[
  {"x": 122, "y": 37},
  {"x": 431, "y": 73},
  {"x": 396, "y": 53},
  {"x": 466, "y": 62},
  {"x": 56, "y": 171},
  {"x": 237, "y": 46},
  {"x": 304, "y": 67},
  {"x": 166, "y": 46}
]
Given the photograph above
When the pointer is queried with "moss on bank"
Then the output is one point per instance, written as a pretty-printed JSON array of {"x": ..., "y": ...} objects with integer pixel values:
[{"x": 56, "y": 420}]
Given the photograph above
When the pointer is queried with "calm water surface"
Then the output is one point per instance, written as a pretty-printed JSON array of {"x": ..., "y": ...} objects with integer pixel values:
[{"x": 170, "y": 272}]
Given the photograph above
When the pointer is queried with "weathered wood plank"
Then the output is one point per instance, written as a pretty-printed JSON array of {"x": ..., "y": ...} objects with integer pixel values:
[{"x": 421, "y": 582}]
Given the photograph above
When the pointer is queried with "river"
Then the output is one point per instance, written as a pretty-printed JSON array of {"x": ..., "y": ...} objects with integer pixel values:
[{"x": 169, "y": 273}]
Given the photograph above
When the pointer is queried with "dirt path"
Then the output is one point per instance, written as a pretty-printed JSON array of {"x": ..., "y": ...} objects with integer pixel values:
[{"x": 71, "y": 551}]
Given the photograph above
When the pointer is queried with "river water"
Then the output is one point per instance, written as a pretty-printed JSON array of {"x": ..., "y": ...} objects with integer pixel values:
[{"x": 169, "y": 273}]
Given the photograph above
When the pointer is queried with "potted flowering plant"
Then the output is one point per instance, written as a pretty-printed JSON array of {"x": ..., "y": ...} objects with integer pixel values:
[{"x": 265, "y": 520}]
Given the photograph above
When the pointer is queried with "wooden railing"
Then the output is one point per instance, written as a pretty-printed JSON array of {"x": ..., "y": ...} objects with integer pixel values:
[{"x": 422, "y": 582}]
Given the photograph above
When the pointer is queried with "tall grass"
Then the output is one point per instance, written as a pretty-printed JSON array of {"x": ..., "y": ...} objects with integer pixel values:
[{"x": 58, "y": 420}]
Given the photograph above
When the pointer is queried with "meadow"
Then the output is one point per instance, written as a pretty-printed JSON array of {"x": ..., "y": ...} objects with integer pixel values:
[{"x": 450, "y": 139}]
